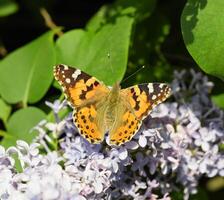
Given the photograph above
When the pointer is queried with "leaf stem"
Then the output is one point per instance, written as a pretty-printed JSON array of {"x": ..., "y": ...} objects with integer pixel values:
[
  {"x": 49, "y": 22},
  {"x": 3, "y": 51}
]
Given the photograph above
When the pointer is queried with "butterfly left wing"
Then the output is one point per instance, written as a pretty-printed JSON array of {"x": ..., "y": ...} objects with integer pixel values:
[
  {"x": 78, "y": 86},
  {"x": 83, "y": 92},
  {"x": 141, "y": 99}
]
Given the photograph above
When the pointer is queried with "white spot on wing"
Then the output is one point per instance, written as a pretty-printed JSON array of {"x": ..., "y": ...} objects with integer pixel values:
[
  {"x": 65, "y": 67},
  {"x": 151, "y": 89},
  {"x": 76, "y": 74},
  {"x": 153, "y": 97},
  {"x": 161, "y": 85},
  {"x": 68, "y": 80}
]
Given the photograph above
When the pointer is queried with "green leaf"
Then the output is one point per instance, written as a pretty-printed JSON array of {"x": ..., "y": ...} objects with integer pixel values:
[
  {"x": 26, "y": 73},
  {"x": 102, "y": 50},
  {"x": 7, "y": 7},
  {"x": 5, "y": 110},
  {"x": 20, "y": 124},
  {"x": 68, "y": 46},
  {"x": 203, "y": 32},
  {"x": 218, "y": 100},
  {"x": 56, "y": 84},
  {"x": 89, "y": 51},
  {"x": 3, "y": 133},
  {"x": 8, "y": 141}
]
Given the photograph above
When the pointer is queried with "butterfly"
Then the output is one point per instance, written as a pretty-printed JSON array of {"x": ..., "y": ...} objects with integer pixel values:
[{"x": 98, "y": 109}]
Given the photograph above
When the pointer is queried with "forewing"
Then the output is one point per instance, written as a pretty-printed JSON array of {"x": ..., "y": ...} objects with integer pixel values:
[
  {"x": 78, "y": 86},
  {"x": 144, "y": 97}
]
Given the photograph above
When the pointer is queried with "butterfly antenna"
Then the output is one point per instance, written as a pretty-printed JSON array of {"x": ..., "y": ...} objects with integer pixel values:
[{"x": 138, "y": 70}]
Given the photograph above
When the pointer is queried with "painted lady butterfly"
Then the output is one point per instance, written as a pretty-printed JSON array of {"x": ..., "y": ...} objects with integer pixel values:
[{"x": 98, "y": 109}]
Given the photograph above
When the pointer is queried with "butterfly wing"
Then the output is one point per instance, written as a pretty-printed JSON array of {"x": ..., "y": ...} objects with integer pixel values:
[
  {"x": 83, "y": 92},
  {"x": 144, "y": 97},
  {"x": 140, "y": 100},
  {"x": 125, "y": 128},
  {"x": 86, "y": 121},
  {"x": 78, "y": 86}
]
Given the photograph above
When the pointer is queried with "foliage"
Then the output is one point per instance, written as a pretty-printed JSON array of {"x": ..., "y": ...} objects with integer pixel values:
[
  {"x": 5, "y": 111},
  {"x": 31, "y": 67},
  {"x": 202, "y": 23},
  {"x": 21, "y": 123},
  {"x": 118, "y": 39},
  {"x": 7, "y": 7}
]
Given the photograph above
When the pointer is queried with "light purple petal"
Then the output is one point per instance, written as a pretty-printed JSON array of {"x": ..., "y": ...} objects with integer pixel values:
[{"x": 142, "y": 141}]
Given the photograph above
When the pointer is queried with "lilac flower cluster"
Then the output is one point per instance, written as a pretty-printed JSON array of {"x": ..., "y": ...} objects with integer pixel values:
[{"x": 177, "y": 145}]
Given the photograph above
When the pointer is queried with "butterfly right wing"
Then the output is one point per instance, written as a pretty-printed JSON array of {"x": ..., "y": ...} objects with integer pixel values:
[
  {"x": 125, "y": 129},
  {"x": 140, "y": 101},
  {"x": 83, "y": 92},
  {"x": 144, "y": 97}
]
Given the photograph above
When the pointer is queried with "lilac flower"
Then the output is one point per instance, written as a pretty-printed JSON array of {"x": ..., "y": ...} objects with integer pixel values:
[
  {"x": 140, "y": 163},
  {"x": 56, "y": 106}
]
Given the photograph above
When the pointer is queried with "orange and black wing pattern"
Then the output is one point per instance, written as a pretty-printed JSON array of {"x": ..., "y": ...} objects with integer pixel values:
[
  {"x": 144, "y": 97},
  {"x": 82, "y": 92},
  {"x": 141, "y": 101},
  {"x": 77, "y": 85}
]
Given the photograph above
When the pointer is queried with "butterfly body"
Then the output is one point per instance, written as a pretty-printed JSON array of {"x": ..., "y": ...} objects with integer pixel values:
[{"x": 99, "y": 109}]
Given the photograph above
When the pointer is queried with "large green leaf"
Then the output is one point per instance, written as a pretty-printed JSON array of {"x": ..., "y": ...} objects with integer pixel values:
[
  {"x": 7, "y": 7},
  {"x": 5, "y": 110},
  {"x": 26, "y": 73},
  {"x": 20, "y": 124},
  {"x": 202, "y": 24},
  {"x": 89, "y": 50}
]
